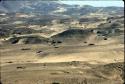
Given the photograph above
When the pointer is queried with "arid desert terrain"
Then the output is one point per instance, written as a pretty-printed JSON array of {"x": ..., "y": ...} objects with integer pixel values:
[{"x": 66, "y": 44}]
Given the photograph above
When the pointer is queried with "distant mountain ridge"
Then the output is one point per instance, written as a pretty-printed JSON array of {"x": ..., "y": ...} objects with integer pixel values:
[{"x": 53, "y": 7}]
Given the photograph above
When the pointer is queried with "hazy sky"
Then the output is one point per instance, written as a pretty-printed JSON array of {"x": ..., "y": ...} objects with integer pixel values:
[{"x": 97, "y": 3}]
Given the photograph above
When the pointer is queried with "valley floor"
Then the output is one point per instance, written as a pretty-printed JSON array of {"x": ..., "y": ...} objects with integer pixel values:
[{"x": 47, "y": 64}]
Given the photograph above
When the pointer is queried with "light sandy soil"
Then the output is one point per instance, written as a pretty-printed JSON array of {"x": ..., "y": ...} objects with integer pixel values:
[{"x": 66, "y": 64}]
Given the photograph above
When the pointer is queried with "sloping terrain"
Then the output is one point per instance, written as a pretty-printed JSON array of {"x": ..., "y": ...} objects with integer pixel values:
[{"x": 47, "y": 42}]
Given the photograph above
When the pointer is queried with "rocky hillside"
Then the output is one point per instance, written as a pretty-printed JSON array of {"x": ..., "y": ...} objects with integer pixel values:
[{"x": 52, "y": 7}]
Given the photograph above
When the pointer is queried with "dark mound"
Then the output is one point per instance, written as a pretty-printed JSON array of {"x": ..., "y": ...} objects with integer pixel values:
[
  {"x": 27, "y": 40},
  {"x": 72, "y": 34},
  {"x": 8, "y": 31}
]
